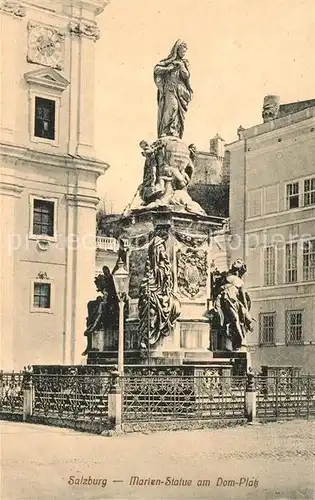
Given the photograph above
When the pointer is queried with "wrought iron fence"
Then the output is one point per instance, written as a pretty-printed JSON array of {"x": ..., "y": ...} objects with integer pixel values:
[
  {"x": 177, "y": 397},
  {"x": 285, "y": 397},
  {"x": 78, "y": 397},
  {"x": 11, "y": 392},
  {"x": 151, "y": 395}
]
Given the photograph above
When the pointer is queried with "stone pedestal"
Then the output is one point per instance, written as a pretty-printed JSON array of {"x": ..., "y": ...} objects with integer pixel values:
[
  {"x": 188, "y": 240},
  {"x": 240, "y": 360}
]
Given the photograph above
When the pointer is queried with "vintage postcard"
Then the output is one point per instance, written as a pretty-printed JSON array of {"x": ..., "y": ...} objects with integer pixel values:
[{"x": 157, "y": 249}]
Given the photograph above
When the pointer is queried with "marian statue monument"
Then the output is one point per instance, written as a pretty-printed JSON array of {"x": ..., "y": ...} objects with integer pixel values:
[
  {"x": 169, "y": 162},
  {"x": 178, "y": 301}
]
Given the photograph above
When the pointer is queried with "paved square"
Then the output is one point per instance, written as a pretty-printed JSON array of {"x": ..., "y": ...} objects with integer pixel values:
[{"x": 270, "y": 461}]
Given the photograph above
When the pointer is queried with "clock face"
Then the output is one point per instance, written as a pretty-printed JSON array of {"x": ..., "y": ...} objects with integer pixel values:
[{"x": 45, "y": 46}]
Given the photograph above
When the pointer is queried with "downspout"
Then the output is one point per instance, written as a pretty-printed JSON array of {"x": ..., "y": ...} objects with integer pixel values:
[{"x": 245, "y": 199}]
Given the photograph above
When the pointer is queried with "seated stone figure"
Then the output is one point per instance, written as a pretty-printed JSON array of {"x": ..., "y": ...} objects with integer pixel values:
[
  {"x": 103, "y": 311},
  {"x": 168, "y": 170}
]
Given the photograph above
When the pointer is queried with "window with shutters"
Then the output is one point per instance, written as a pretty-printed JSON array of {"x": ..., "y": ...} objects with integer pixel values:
[
  {"x": 291, "y": 262},
  {"x": 269, "y": 266}
]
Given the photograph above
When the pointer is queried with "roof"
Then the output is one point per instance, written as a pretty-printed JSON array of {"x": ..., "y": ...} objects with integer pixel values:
[{"x": 294, "y": 107}]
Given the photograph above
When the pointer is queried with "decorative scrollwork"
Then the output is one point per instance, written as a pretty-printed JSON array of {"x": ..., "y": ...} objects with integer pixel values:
[
  {"x": 71, "y": 396},
  {"x": 85, "y": 29},
  {"x": 11, "y": 392},
  {"x": 14, "y": 8}
]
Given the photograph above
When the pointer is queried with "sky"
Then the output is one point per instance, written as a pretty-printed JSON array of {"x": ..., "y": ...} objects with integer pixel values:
[{"x": 239, "y": 51}]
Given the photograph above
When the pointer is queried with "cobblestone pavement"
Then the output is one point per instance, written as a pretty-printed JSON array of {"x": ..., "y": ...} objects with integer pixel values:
[{"x": 271, "y": 461}]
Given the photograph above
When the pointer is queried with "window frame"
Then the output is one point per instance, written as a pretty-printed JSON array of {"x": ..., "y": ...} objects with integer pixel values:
[
  {"x": 42, "y": 310},
  {"x": 288, "y": 326},
  {"x": 310, "y": 192},
  {"x": 51, "y": 96},
  {"x": 301, "y": 186},
  {"x": 272, "y": 314},
  {"x": 307, "y": 241},
  {"x": 46, "y": 237},
  {"x": 53, "y": 116},
  {"x": 286, "y": 269}
]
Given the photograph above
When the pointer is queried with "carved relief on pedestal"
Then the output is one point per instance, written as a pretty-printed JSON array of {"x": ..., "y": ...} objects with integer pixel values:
[
  {"x": 14, "y": 8},
  {"x": 85, "y": 29},
  {"x": 46, "y": 45},
  {"x": 192, "y": 272}
]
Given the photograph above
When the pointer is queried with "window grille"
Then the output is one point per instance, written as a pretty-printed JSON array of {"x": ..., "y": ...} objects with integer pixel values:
[
  {"x": 294, "y": 327},
  {"x": 267, "y": 328}
]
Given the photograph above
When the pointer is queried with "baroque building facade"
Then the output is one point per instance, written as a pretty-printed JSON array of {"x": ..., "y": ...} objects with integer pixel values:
[
  {"x": 272, "y": 217},
  {"x": 48, "y": 178}
]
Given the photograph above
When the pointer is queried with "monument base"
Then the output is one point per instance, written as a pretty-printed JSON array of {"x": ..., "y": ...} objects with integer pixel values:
[{"x": 240, "y": 360}]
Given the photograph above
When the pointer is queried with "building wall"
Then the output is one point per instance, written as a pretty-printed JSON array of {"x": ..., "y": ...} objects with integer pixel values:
[
  {"x": 64, "y": 170},
  {"x": 263, "y": 161}
]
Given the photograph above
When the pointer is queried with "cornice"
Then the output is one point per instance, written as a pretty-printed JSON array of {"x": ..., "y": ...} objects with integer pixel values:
[
  {"x": 82, "y": 200},
  {"x": 274, "y": 127},
  {"x": 94, "y": 6},
  {"x": 10, "y": 189},
  {"x": 47, "y": 77},
  {"x": 35, "y": 157}
]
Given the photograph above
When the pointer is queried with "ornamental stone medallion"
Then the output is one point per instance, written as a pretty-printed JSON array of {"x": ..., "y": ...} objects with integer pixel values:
[{"x": 192, "y": 272}]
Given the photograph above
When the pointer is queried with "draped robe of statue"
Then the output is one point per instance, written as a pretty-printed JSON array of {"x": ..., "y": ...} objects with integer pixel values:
[
  {"x": 171, "y": 76},
  {"x": 158, "y": 305}
]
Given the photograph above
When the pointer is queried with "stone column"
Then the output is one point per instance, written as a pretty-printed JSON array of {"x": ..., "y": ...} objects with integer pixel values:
[
  {"x": 115, "y": 404},
  {"x": 250, "y": 398},
  {"x": 10, "y": 27},
  {"x": 84, "y": 35},
  {"x": 80, "y": 271}
]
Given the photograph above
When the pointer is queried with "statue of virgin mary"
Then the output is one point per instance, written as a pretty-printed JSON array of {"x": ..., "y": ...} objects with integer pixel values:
[{"x": 171, "y": 76}]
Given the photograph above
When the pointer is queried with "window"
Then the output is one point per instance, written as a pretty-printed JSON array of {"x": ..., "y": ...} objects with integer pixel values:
[
  {"x": 269, "y": 266},
  {"x": 293, "y": 195},
  {"x": 309, "y": 260},
  {"x": 42, "y": 295},
  {"x": 294, "y": 332},
  {"x": 43, "y": 217},
  {"x": 254, "y": 202},
  {"x": 291, "y": 262},
  {"x": 300, "y": 193},
  {"x": 45, "y": 118},
  {"x": 267, "y": 328},
  {"x": 309, "y": 192}
]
